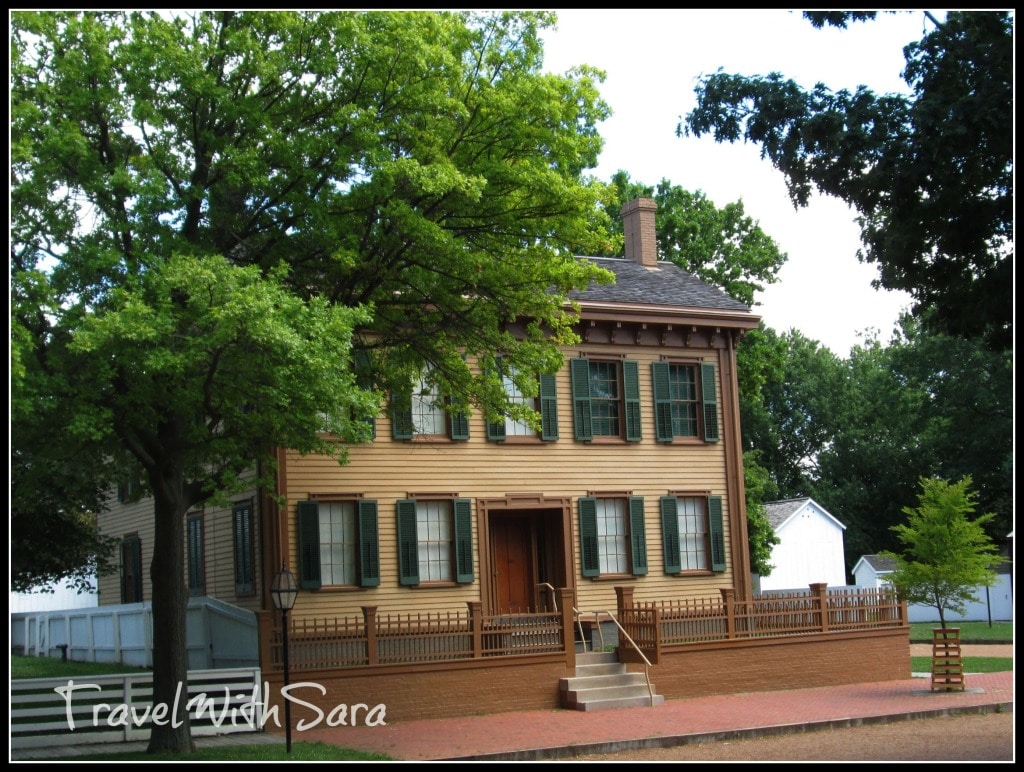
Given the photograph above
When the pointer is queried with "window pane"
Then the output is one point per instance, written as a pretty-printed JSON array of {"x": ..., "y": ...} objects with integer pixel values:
[
  {"x": 692, "y": 533},
  {"x": 604, "y": 398},
  {"x": 517, "y": 428},
  {"x": 428, "y": 414},
  {"x": 611, "y": 536},
  {"x": 682, "y": 384},
  {"x": 338, "y": 542},
  {"x": 434, "y": 531}
]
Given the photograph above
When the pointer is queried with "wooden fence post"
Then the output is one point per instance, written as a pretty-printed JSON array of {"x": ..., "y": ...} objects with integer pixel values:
[
  {"x": 567, "y": 603},
  {"x": 729, "y": 601},
  {"x": 820, "y": 591},
  {"x": 476, "y": 627},
  {"x": 370, "y": 623}
]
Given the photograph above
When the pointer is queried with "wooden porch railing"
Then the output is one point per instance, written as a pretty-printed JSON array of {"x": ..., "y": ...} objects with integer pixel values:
[{"x": 401, "y": 639}]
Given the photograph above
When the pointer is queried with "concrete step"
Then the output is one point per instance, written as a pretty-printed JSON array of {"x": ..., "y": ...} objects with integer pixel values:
[
  {"x": 600, "y": 669},
  {"x": 576, "y": 683},
  {"x": 607, "y": 697}
]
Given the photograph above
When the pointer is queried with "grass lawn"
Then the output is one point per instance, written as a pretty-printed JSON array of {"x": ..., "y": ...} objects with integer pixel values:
[
  {"x": 301, "y": 751},
  {"x": 970, "y": 632}
]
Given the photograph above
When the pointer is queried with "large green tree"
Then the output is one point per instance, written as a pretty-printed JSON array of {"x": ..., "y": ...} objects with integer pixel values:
[
  {"x": 930, "y": 174},
  {"x": 214, "y": 215}
]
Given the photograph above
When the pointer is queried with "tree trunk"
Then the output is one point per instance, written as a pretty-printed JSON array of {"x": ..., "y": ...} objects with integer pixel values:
[{"x": 170, "y": 603}]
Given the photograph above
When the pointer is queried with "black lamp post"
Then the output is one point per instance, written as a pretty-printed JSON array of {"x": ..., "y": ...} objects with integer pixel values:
[{"x": 284, "y": 590}]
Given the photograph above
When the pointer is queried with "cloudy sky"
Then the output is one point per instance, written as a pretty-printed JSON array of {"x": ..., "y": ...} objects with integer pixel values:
[{"x": 652, "y": 60}]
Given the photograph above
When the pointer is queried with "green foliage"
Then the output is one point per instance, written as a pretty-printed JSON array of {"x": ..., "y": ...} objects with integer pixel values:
[
  {"x": 215, "y": 214},
  {"x": 946, "y": 554},
  {"x": 761, "y": 537},
  {"x": 722, "y": 247},
  {"x": 931, "y": 175}
]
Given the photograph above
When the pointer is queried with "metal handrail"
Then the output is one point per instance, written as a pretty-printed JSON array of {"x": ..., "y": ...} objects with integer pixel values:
[
  {"x": 554, "y": 598},
  {"x": 611, "y": 616}
]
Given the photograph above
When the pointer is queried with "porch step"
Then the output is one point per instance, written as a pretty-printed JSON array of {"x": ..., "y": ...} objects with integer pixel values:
[{"x": 602, "y": 682}]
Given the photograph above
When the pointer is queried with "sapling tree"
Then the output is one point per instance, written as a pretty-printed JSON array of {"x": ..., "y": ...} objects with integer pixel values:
[{"x": 946, "y": 551}]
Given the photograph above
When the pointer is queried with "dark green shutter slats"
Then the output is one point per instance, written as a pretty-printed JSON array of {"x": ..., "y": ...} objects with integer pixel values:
[
  {"x": 631, "y": 399},
  {"x": 195, "y": 555},
  {"x": 408, "y": 548},
  {"x": 662, "y": 402},
  {"x": 242, "y": 525},
  {"x": 309, "y": 545},
  {"x": 579, "y": 369},
  {"x": 710, "y": 399},
  {"x": 458, "y": 426},
  {"x": 463, "y": 541},
  {"x": 369, "y": 546},
  {"x": 638, "y": 535},
  {"x": 495, "y": 430},
  {"x": 670, "y": 534},
  {"x": 548, "y": 407},
  {"x": 401, "y": 415},
  {"x": 717, "y": 532},
  {"x": 589, "y": 557}
]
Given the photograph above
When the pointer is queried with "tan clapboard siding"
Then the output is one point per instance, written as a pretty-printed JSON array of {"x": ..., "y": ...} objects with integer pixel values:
[
  {"x": 386, "y": 470},
  {"x": 121, "y": 520},
  {"x": 220, "y": 554}
]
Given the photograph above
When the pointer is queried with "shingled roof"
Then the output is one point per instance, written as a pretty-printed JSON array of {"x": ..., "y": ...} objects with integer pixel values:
[{"x": 663, "y": 284}]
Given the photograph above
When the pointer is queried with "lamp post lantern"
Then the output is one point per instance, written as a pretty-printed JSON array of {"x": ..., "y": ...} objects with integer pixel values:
[{"x": 284, "y": 590}]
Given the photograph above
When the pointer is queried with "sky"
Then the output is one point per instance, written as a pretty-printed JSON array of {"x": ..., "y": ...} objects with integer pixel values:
[{"x": 652, "y": 60}]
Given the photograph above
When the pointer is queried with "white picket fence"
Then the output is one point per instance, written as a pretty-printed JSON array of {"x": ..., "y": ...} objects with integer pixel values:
[
  {"x": 118, "y": 708},
  {"x": 218, "y": 635}
]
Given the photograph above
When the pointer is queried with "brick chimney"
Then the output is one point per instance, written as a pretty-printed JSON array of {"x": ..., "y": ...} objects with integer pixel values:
[{"x": 638, "y": 229}]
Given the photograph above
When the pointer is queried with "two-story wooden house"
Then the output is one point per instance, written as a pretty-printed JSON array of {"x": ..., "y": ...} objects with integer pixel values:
[{"x": 630, "y": 495}]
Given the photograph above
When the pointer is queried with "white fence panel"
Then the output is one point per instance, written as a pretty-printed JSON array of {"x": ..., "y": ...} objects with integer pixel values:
[
  {"x": 119, "y": 708},
  {"x": 217, "y": 634}
]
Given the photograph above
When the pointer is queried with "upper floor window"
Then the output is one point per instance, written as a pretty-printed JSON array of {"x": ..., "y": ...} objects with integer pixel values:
[
  {"x": 424, "y": 412},
  {"x": 435, "y": 541},
  {"x": 606, "y": 398},
  {"x": 693, "y": 533},
  {"x": 338, "y": 544},
  {"x": 545, "y": 403},
  {"x": 612, "y": 535},
  {"x": 131, "y": 569},
  {"x": 684, "y": 400}
]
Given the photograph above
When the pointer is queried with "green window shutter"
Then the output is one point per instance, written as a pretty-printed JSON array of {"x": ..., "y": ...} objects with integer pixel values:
[
  {"x": 495, "y": 430},
  {"x": 369, "y": 546},
  {"x": 242, "y": 526},
  {"x": 670, "y": 534},
  {"x": 408, "y": 546},
  {"x": 707, "y": 389},
  {"x": 589, "y": 557},
  {"x": 548, "y": 407},
  {"x": 309, "y": 545},
  {"x": 662, "y": 402},
  {"x": 401, "y": 415},
  {"x": 463, "y": 541},
  {"x": 364, "y": 379},
  {"x": 195, "y": 556},
  {"x": 631, "y": 398},
  {"x": 638, "y": 535},
  {"x": 717, "y": 533},
  {"x": 583, "y": 421},
  {"x": 458, "y": 426}
]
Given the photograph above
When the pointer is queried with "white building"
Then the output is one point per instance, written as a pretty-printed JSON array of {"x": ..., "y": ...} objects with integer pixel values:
[{"x": 810, "y": 549}]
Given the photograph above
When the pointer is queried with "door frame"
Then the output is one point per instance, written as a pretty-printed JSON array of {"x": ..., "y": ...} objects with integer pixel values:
[{"x": 521, "y": 502}]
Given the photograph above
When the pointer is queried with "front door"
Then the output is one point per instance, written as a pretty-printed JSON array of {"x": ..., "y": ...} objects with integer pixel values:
[{"x": 512, "y": 566}]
